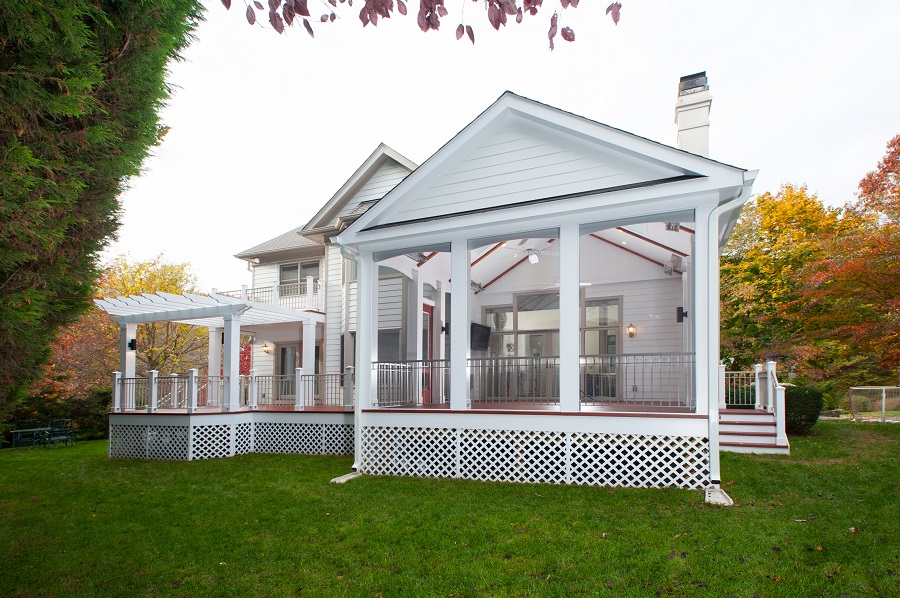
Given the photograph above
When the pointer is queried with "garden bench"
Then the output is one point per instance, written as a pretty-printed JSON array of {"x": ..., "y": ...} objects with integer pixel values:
[
  {"x": 60, "y": 430},
  {"x": 27, "y": 433}
]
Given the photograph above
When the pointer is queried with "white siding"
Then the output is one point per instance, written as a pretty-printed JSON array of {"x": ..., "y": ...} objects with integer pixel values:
[
  {"x": 265, "y": 275},
  {"x": 390, "y": 303},
  {"x": 262, "y": 362},
  {"x": 384, "y": 179},
  {"x": 650, "y": 306},
  {"x": 522, "y": 163},
  {"x": 333, "y": 311},
  {"x": 350, "y": 311}
]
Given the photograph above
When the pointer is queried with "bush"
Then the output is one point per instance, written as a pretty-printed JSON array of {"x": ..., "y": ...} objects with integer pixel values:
[{"x": 802, "y": 406}]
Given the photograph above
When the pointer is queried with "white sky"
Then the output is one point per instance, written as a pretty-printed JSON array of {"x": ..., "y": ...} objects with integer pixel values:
[{"x": 265, "y": 128}]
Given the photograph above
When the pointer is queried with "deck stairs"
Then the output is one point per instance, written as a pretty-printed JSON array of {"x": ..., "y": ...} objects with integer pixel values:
[{"x": 749, "y": 431}]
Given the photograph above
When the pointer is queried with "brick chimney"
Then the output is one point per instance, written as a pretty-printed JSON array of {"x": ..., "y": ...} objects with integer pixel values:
[{"x": 692, "y": 114}]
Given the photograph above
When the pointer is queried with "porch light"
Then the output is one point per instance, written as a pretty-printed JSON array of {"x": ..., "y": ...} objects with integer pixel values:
[
  {"x": 266, "y": 348},
  {"x": 533, "y": 258},
  {"x": 631, "y": 330}
]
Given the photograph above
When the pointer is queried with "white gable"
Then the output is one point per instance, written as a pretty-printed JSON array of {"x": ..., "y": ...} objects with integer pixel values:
[{"x": 524, "y": 162}]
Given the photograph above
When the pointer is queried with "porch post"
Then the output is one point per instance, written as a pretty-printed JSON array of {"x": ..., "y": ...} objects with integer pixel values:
[
  {"x": 127, "y": 333},
  {"x": 299, "y": 389},
  {"x": 153, "y": 388},
  {"x": 214, "y": 356},
  {"x": 459, "y": 324},
  {"x": 706, "y": 329},
  {"x": 569, "y": 318},
  {"x": 722, "y": 387},
  {"x": 366, "y": 331},
  {"x": 232, "y": 362},
  {"x": 192, "y": 390},
  {"x": 759, "y": 393},
  {"x": 253, "y": 391},
  {"x": 310, "y": 304},
  {"x": 348, "y": 388},
  {"x": 117, "y": 392}
]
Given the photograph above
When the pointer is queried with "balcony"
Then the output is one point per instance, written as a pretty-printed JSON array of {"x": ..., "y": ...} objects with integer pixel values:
[{"x": 305, "y": 295}]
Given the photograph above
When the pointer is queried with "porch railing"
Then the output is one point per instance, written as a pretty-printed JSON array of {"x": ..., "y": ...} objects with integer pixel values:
[
  {"x": 506, "y": 380},
  {"x": 740, "y": 389},
  {"x": 643, "y": 379},
  {"x": 172, "y": 392},
  {"x": 305, "y": 294},
  {"x": 322, "y": 390},
  {"x": 134, "y": 393},
  {"x": 412, "y": 383},
  {"x": 273, "y": 390}
]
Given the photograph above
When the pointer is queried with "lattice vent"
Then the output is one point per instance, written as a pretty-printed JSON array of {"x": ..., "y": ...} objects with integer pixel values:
[
  {"x": 639, "y": 460},
  {"x": 243, "y": 434},
  {"x": 167, "y": 443},
  {"x": 409, "y": 451},
  {"x": 127, "y": 442},
  {"x": 513, "y": 456},
  {"x": 338, "y": 439},
  {"x": 211, "y": 442}
]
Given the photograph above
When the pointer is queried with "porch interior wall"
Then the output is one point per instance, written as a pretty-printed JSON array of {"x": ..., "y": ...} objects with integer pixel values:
[{"x": 650, "y": 305}]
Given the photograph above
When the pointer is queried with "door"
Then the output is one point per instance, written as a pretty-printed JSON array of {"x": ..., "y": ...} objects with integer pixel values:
[
  {"x": 288, "y": 362},
  {"x": 538, "y": 366},
  {"x": 598, "y": 352},
  {"x": 427, "y": 344}
]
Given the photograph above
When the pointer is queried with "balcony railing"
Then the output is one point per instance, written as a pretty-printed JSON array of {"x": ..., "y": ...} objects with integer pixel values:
[
  {"x": 641, "y": 379},
  {"x": 412, "y": 383},
  {"x": 506, "y": 380},
  {"x": 740, "y": 389},
  {"x": 305, "y": 294}
]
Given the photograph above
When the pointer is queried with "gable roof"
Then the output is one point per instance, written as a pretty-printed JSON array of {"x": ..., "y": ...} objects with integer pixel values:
[
  {"x": 520, "y": 152},
  {"x": 340, "y": 209}
]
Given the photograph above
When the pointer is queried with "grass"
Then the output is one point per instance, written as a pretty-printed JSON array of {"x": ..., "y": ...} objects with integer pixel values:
[{"x": 823, "y": 522}]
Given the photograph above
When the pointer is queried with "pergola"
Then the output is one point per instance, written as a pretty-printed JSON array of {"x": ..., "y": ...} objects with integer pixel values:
[{"x": 222, "y": 315}]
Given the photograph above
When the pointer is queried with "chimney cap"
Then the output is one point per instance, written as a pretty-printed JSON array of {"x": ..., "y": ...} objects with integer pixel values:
[{"x": 693, "y": 83}]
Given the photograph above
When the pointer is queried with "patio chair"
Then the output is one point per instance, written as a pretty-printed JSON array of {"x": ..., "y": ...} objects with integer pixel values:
[
  {"x": 61, "y": 431},
  {"x": 31, "y": 438}
]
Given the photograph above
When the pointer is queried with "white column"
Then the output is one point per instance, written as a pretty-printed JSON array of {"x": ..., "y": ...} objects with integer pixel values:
[
  {"x": 192, "y": 390},
  {"x": 569, "y": 318},
  {"x": 127, "y": 334},
  {"x": 722, "y": 405},
  {"x": 232, "y": 363},
  {"x": 214, "y": 356},
  {"x": 366, "y": 330},
  {"x": 760, "y": 392},
  {"x": 321, "y": 294},
  {"x": 308, "y": 356},
  {"x": 153, "y": 387},
  {"x": 459, "y": 325},
  {"x": 348, "y": 388},
  {"x": 706, "y": 330}
]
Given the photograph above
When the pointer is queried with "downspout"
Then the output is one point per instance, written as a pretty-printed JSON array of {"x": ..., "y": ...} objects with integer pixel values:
[
  {"x": 714, "y": 493},
  {"x": 353, "y": 256}
]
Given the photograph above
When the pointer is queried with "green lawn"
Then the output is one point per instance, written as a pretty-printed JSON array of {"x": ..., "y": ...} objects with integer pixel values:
[{"x": 823, "y": 522}]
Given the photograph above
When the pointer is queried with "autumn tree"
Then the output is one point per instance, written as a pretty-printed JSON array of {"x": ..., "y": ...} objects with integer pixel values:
[
  {"x": 851, "y": 294},
  {"x": 776, "y": 237},
  {"x": 80, "y": 85}
]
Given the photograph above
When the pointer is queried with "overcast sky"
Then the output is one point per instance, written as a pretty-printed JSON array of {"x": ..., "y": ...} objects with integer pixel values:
[{"x": 264, "y": 128}]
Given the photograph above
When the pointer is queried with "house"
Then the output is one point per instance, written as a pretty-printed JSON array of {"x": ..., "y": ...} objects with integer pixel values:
[{"x": 536, "y": 302}]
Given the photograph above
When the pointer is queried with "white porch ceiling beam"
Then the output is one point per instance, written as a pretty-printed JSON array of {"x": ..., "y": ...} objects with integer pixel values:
[{"x": 170, "y": 315}]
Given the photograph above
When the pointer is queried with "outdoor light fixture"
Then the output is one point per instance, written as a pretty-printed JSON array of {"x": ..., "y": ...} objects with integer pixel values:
[
  {"x": 631, "y": 329},
  {"x": 132, "y": 344},
  {"x": 533, "y": 258},
  {"x": 266, "y": 348}
]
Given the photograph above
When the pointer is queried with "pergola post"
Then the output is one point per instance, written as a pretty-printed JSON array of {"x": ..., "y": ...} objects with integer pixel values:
[
  {"x": 253, "y": 391},
  {"x": 127, "y": 349},
  {"x": 459, "y": 324},
  {"x": 232, "y": 362},
  {"x": 214, "y": 355},
  {"x": 569, "y": 318},
  {"x": 153, "y": 388},
  {"x": 117, "y": 392}
]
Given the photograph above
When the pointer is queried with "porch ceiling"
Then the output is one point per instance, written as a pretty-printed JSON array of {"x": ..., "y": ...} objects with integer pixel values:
[{"x": 197, "y": 310}]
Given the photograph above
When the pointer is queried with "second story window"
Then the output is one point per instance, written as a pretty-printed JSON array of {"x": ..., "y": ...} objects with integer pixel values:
[{"x": 292, "y": 277}]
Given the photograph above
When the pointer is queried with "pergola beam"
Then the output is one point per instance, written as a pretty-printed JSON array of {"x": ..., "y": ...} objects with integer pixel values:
[{"x": 191, "y": 313}]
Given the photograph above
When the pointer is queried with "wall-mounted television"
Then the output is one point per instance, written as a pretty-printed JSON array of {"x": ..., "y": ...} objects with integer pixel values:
[{"x": 480, "y": 337}]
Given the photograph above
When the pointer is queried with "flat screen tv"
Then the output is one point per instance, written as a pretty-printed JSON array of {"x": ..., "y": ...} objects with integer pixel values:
[{"x": 480, "y": 338}]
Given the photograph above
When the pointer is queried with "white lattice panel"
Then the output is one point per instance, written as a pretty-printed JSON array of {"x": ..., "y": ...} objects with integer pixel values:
[
  {"x": 127, "y": 442},
  {"x": 513, "y": 456},
  {"x": 272, "y": 437},
  {"x": 167, "y": 443},
  {"x": 427, "y": 452},
  {"x": 211, "y": 442},
  {"x": 643, "y": 461},
  {"x": 639, "y": 460},
  {"x": 337, "y": 439},
  {"x": 243, "y": 433}
]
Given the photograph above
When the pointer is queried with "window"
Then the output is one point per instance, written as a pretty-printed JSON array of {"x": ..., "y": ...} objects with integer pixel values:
[
  {"x": 309, "y": 269},
  {"x": 537, "y": 312},
  {"x": 289, "y": 274},
  {"x": 600, "y": 335},
  {"x": 292, "y": 277},
  {"x": 349, "y": 271}
]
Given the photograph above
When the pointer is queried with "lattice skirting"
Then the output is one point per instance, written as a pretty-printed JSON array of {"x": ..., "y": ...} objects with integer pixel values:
[
  {"x": 212, "y": 441},
  {"x": 624, "y": 460}
]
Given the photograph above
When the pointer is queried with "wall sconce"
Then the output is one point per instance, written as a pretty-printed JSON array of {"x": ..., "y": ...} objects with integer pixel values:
[
  {"x": 266, "y": 348},
  {"x": 631, "y": 330}
]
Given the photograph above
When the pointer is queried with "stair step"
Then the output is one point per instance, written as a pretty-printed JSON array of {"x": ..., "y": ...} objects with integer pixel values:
[
  {"x": 754, "y": 447},
  {"x": 739, "y": 433}
]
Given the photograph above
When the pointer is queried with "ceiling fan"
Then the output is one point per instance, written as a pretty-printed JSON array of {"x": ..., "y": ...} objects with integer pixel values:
[{"x": 531, "y": 253}]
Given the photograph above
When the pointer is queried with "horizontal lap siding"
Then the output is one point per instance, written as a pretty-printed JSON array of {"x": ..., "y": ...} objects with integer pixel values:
[
  {"x": 390, "y": 303},
  {"x": 384, "y": 179},
  {"x": 523, "y": 163},
  {"x": 265, "y": 276}
]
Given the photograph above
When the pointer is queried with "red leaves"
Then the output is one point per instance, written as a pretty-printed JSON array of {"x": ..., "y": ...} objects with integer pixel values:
[
  {"x": 471, "y": 33},
  {"x": 323, "y": 18},
  {"x": 251, "y": 15},
  {"x": 226, "y": 4},
  {"x": 614, "y": 9},
  {"x": 300, "y": 8},
  {"x": 430, "y": 13},
  {"x": 568, "y": 3},
  {"x": 567, "y": 34},
  {"x": 288, "y": 12},
  {"x": 465, "y": 30},
  {"x": 309, "y": 28},
  {"x": 401, "y": 7},
  {"x": 460, "y": 31},
  {"x": 257, "y": 4},
  {"x": 499, "y": 9},
  {"x": 275, "y": 21},
  {"x": 274, "y": 4},
  {"x": 531, "y": 6},
  {"x": 552, "y": 33},
  {"x": 374, "y": 9}
]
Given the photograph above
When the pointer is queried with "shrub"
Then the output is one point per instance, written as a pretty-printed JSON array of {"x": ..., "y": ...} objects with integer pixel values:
[{"x": 802, "y": 406}]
